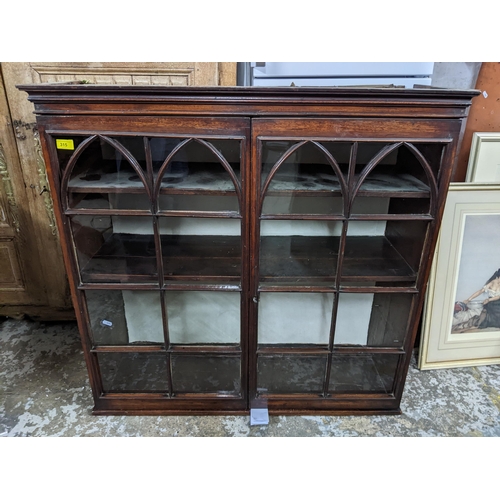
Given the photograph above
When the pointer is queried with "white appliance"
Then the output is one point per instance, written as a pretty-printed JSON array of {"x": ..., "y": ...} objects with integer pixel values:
[{"x": 301, "y": 74}]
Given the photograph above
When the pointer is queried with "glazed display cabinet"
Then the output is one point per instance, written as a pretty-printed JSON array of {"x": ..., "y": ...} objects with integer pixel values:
[{"x": 239, "y": 248}]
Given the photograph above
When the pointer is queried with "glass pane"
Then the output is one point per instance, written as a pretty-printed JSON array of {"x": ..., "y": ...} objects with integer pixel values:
[
  {"x": 135, "y": 146},
  {"x": 353, "y": 318},
  {"x": 399, "y": 180},
  {"x": 367, "y": 319},
  {"x": 206, "y": 374},
  {"x": 230, "y": 149},
  {"x": 201, "y": 249},
  {"x": 103, "y": 177},
  {"x": 197, "y": 170},
  {"x": 197, "y": 202},
  {"x": 115, "y": 248},
  {"x": 119, "y": 317},
  {"x": 299, "y": 251},
  {"x": 433, "y": 154},
  {"x": 272, "y": 151},
  {"x": 111, "y": 201},
  {"x": 278, "y": 203},
  {"x": 295, "y": 318},
  {"x": 203, "y": 317},
  {"x": 133, "y": 372},
  {"x": 383, "y": 251},
  {"x": 389, "y": 204},
  {"x": 305, "y": 183},
  {"x": 290, "y": 374},
  {"x": 161, "y": 147},
  {"x": 363, "y": 373},
  {"x": 65, "y": 147}
]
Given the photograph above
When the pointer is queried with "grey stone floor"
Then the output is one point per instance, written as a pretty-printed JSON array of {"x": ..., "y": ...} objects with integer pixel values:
[{"x": 44, "y": 391}]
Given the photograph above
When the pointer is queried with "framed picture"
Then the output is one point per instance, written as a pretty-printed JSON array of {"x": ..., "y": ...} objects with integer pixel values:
[
  {"x": 484, "y": 159},
  {"x": 461, "y": 325}
]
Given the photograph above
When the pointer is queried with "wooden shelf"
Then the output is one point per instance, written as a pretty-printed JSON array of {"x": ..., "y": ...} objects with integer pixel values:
[
  {"x": 200, "y": 181},
  {"x": 290, "y": 259},
  {"x": 394, "y": 186},
  {"x": 112, "y": 182},
  {"x": 219, "y": 183},
  {"x": 206, "y": 180},
  {"x": 376, "y": 184}
]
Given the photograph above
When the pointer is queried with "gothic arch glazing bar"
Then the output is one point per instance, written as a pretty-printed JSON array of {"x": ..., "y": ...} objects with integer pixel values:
[
  {"x": 81, "y": 149},
  {"x": 315, "y": 179},
  {"x": 207, "y": 145}
]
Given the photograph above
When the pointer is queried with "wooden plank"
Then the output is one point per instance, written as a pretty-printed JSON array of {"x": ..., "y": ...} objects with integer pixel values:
[
  {"x": 389, "y": 320},
  {"x": 393, "y": 103}
]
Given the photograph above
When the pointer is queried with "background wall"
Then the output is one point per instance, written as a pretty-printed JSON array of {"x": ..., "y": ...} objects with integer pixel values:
[
  {"x": 484, "y": 115},
  {"x": 455, "y": 75}
]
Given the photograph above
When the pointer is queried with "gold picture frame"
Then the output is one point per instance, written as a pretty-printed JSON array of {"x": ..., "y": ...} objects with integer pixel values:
[{"x": 458, "y": 329}]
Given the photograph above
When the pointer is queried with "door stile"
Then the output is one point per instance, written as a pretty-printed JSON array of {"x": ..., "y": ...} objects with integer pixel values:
[
  {"x": 253, "y": 261},
  {"x": 246, "y": 251},
  {"x": 70, "y": 261}
]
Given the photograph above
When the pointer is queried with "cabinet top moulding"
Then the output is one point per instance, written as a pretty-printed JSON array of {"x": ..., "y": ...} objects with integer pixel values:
[{"x": 88, "y": 99}]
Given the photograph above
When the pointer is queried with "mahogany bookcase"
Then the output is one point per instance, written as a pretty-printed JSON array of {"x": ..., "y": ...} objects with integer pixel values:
[{"x": 239, "y": 248}]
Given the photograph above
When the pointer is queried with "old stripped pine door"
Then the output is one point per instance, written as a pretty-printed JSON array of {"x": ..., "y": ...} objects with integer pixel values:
[{"x": 33, "y": 281}]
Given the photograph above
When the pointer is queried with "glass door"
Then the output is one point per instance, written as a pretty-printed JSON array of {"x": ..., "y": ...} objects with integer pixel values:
[
  {"x": 302, "y": 205},
  {"x": 159, "y": 230},
  {"x": 340, "y": 228}
]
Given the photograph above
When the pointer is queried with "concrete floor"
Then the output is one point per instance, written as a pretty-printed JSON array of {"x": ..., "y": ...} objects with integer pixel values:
[{"x": 44, "y": 391}]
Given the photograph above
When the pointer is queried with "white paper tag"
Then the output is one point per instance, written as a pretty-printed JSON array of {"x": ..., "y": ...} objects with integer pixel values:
[
  {"x": 105, "y": 322},
  {"x": 259, "y": 416}
]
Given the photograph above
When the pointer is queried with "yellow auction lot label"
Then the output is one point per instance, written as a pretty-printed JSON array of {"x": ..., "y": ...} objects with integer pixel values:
[{"x": 65, "y": 144}]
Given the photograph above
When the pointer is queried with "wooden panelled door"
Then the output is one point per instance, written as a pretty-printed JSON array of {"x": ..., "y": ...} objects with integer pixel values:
[{"x": 33, "y": 281}]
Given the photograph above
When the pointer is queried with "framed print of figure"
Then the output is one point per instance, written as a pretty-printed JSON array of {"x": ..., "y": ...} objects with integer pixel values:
[{"x": 461, "y": 324}]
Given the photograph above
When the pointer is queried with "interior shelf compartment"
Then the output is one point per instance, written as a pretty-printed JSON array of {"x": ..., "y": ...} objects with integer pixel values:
[
  {"x": 131, "y": 257},
  {"x": 374, "y": 257},
  {"x": 126, "y": 257},
  {"x": 305, "y": 258},
  {"x": 123, "y": 258},
  {"x": 201, "y": 257},
  {"x": 305, "y": 374}
]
